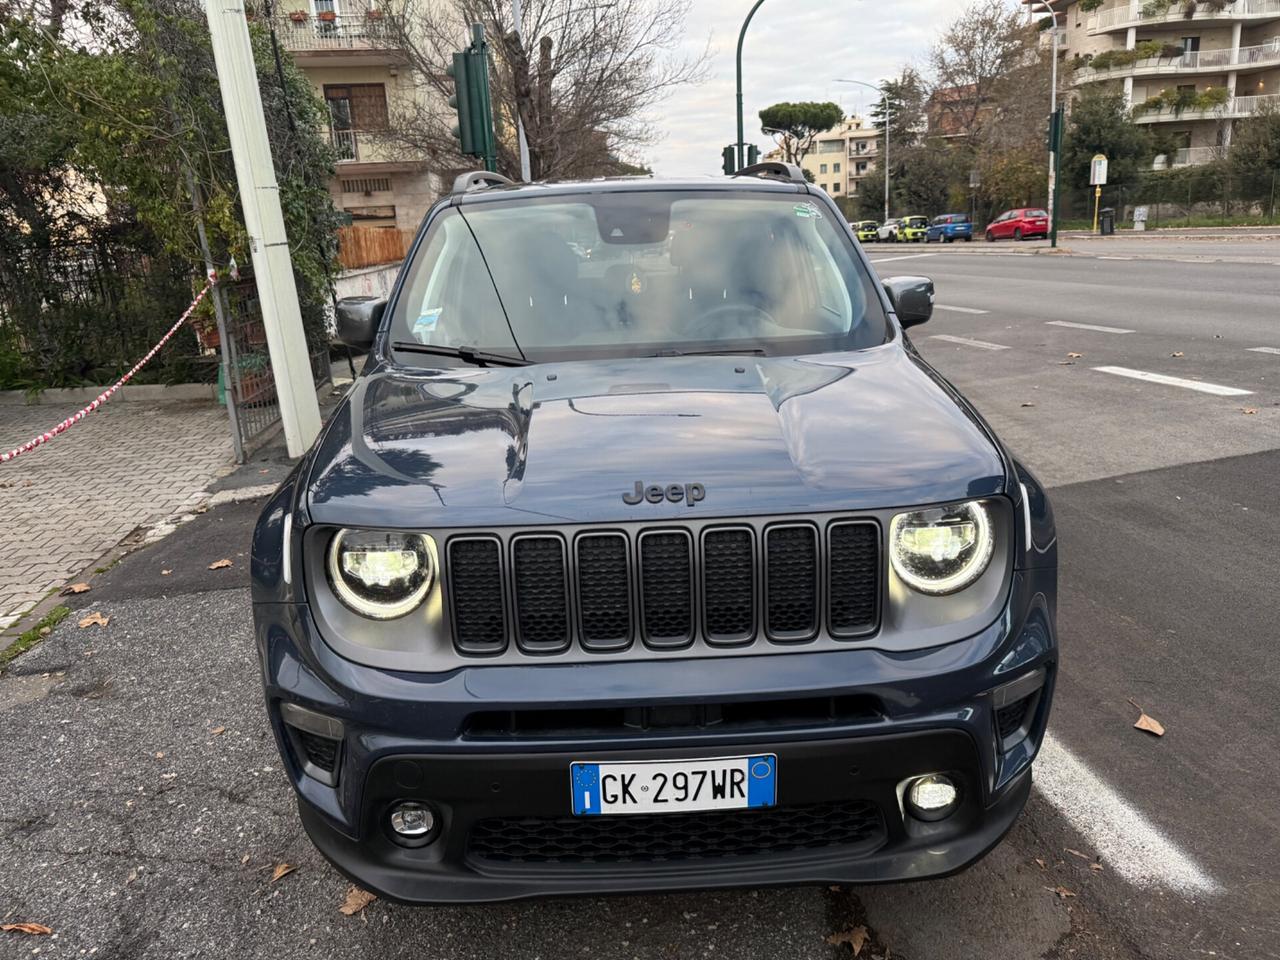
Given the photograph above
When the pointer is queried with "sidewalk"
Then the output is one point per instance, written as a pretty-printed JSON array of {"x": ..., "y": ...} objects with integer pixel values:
[{"x": 126, "y": 465}]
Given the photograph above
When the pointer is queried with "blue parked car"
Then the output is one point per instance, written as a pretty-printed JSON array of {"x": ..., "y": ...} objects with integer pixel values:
[
  {"x": 673, "y": 568},
  {"x": 950, "y": 227}
]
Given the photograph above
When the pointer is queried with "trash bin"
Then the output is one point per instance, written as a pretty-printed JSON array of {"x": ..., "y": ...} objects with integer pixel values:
[{"x": 1107, "y": 221}]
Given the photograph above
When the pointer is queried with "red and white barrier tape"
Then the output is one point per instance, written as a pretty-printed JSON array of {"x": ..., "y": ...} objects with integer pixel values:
[{"x": 106, "y": 394}]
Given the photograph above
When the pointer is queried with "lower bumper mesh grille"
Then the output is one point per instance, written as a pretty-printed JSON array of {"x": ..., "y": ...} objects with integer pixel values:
[{"x": 660, "y": 838}]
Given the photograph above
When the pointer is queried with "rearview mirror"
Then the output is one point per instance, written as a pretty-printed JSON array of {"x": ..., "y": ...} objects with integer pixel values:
[
  {"x": 358, "y": 319},
  {"x": 912, "y": 299}
]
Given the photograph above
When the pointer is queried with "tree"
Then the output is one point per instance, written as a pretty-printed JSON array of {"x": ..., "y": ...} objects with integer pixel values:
[
  {"x": 1100, "y": 123},
  {"x": 905, "y": 96},
  {"x": 1254, "y": 159},
  {"x": 582, "y": 77},
  {"x": 794, "y": 126}
]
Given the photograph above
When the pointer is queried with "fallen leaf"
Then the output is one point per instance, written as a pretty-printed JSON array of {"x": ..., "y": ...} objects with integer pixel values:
[
  {"x": 95, "y": 619},
  {"x": 1028, "y": 404},
  {"x": 217, "y": 731},
  {"x": 855, "y": 938},
  {"x": 1062, "y": 892},
  {"x": 245, "y": 858},
  {"x": 1066, "y": 363},
  {"x": 282, "y": 870},
  {"x": 355, "y": 901},
  {"x": 1074, "y": 356},
  {"x": 1150, "y": 725},
  {"x": 1177, "y": 353},
  {"x": 165, "y": 573},
  {"x": 1096, "y": 866},
  {"x": 1043, "y": 865},
  {"x": 1248, "y": 411},
  {"x": 35, "y": 929},
  {"x": 1077, "y": 853},
  {"x": 203, "y": 508},
  {"x": 220, "y": 564},
  {"x": 76, "y": 588},
  {"x": 160, "y": 755}
]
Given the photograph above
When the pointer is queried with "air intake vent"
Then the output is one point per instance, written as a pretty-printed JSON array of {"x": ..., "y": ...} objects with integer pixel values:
[
  {"x": 791, "y": 582},
  {"x": 604, "y": 591},
  {"x": 666, "y": 587},
  {"x": 728, "y": 585},
  {"x": 853, "y": 578},
  {"x": 542, "y": 593},
  {"x": 475, "y": 590}
]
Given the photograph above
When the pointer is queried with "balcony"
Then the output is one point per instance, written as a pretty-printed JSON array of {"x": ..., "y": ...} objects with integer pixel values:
[
  {"x": 1133, "y": 14},
  {"x": 367, "y": 152},
  {"x": 1188, "y": 157},
  {"x": 1193, "y": 62},
  {"x": 341, "y": 39},
  {"x": 1234, "y": 108}
]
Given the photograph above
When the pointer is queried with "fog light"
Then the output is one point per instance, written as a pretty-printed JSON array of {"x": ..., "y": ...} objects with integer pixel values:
[
  {"x": 932, "y": 798},
  {"x": 412, "y": 823}
]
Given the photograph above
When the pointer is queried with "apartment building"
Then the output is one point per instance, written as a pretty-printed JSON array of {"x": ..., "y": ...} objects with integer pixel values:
[
  {"x": 352, "y": 57},
  {"x": 1190, "y": 68},
  {"x": 842, "y": 157}
]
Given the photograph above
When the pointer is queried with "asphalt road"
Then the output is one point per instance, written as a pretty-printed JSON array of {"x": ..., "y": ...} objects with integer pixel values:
[{"x": 144, "y": 809}]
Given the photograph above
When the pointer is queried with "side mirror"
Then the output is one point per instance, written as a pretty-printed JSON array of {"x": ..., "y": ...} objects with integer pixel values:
[
  {"x": 358, "y": 319},
  {"x": 912, "y": 299}
]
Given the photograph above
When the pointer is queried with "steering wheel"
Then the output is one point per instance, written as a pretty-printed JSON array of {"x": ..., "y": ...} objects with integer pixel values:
[{"x": 710, "y": 326}]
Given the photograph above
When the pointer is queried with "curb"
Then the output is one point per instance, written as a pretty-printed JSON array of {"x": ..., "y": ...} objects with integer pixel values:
[{"x": 129, "y": 393}]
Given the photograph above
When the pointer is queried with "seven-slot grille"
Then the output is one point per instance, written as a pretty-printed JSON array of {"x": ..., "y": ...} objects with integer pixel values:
[{"x": 665, "y": 586}]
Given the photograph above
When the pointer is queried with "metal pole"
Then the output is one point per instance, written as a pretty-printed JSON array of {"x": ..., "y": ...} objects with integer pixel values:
[
  {"x": 524, "y": 144},
  {"x": 1054, "y": 142},
  {"x": 264, "y": 222},
  {"x": 887, "y": 119},
  {"x": 742, "y": 145}
]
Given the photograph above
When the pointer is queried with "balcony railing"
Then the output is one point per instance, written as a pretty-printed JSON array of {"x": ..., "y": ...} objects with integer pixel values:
[
  {"x": 1234, "y": 108},
  {"x": 1188, "y": 157},
  {"x": 336, "y": 31},
  {"x": 1134, "y": 15},
  {"x": 1193, "y": 61}
]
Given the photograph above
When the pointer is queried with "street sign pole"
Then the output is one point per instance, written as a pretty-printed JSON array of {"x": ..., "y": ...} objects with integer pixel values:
[
  {"x": 264, "y": 222},
  {"x": 742, "y": 34},
  {"x": 1097, "y": 178}
]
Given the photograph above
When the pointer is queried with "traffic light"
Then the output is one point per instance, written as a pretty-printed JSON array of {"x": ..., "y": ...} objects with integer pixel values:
[
  {"x": 1055, "y": 130},
  {"x": 729, "y": 156},
  {"x": 470, "y": 73},
  {"x": 753, "y": 154}
]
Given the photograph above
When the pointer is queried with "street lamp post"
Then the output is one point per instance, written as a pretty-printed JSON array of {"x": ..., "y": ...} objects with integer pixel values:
[
  {"x": 742, "y": 34},
  {"x": 1055, "y": 134},
  {"x": 885, "y": 97}
]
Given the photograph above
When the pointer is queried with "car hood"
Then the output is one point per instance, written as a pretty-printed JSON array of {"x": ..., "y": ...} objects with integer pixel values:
[{"x": 566, "y": 441}]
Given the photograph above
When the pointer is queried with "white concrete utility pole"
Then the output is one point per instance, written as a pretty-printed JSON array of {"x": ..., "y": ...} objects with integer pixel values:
[
  {"x": 525, "y": 176},
  {"x": 260, "y": 198}
]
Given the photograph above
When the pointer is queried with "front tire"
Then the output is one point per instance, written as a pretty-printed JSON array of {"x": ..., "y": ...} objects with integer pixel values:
[
  {"x": 1017, "y": 233},
  {"x": 991, "y": 237}
]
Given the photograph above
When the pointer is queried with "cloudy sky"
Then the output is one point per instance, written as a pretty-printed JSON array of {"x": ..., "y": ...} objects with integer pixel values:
[{"x": 794, "y": 48}]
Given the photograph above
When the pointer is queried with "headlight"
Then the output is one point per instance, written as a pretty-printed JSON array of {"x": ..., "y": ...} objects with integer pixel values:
[
  {"x": 941, "y": 550},
  {"x": 381, "y": 574}
]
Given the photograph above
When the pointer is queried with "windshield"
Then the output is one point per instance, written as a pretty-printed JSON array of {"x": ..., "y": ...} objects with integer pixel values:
[{"x": 634, "y": 273}]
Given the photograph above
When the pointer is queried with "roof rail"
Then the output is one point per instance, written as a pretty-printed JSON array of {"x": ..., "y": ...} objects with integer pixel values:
[
  {"x": 479, "y": 180},
  {"x": 774, "y": 170}
]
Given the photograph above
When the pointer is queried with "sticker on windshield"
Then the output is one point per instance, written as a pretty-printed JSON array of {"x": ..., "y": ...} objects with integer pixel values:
[
  {"x": 809, "y": 211},
  {"x": 426, "y": 324}
]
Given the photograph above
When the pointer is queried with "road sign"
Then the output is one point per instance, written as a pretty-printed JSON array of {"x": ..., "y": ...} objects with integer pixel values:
[{"x": 1098, "y": 170}]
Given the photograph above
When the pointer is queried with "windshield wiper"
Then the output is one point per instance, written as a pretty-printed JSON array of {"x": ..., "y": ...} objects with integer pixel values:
[
  {"x": 478, "y": 357},
  {"x": 743, "y": 352}
]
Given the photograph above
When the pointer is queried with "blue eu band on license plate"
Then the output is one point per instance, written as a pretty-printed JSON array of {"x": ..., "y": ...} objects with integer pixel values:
[{"x": 673, "y": 786}]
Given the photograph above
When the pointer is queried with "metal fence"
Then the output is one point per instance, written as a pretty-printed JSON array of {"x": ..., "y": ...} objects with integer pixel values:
[{"x": 1191, "y": 196}]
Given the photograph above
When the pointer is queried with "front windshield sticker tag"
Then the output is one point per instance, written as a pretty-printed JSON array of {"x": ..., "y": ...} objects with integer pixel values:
[
  {"x": 426, "y": 324},
  {"x": 809, "y": 211}
]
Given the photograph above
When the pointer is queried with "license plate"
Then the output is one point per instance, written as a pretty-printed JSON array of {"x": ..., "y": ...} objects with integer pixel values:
[{"x": 673, "y": 786}]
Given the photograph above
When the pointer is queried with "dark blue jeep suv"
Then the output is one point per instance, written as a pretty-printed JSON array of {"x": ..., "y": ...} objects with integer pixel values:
[{"x": 646, "y": 553}]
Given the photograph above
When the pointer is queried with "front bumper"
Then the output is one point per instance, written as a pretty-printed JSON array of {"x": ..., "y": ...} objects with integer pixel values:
[{"x": 413, "y": 736}]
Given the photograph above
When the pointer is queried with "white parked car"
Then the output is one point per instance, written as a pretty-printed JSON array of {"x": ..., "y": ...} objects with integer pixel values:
[{"x": 888, "y": 232}]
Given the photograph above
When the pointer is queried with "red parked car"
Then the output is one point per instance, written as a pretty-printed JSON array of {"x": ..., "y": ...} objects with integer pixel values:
[{"x": 1019, "y": 224}]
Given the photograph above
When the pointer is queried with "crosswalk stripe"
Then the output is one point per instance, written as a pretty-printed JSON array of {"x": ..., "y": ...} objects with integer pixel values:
[
  {"x": 1213, "y": 388},
  {"x": 1096, "y": 327},
  {"x": 964, "y": 341}
]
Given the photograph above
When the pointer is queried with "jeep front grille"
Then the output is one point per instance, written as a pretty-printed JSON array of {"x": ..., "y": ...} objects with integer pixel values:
[{"x": 664, "y": 587}]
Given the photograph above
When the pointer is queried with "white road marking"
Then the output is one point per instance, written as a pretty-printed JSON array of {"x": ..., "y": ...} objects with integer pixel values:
[
  {"x": 1086, "y": 326},
  {"x": 943, "y": 306},
  {"x": 1263, "y": 349},
  {"x": 1115, "y": 258},
  {"x": 1216, "y": 389},
  {"x": 913, "y": 256},
  {"x": 1124, "y": 838},
  {"x": 980, "y": 344}
]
